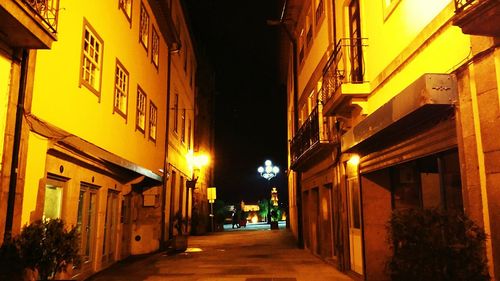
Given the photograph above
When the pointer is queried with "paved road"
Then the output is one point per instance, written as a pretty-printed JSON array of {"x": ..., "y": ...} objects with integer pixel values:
[{"x": 256, "y": 254}]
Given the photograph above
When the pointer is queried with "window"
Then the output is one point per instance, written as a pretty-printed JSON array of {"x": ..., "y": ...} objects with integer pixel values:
[
  {"x": 185, "y": 60},
  {"x": 183, "y": 125},
  {"x": 126, "y": 7},
  {"x": 152, "y": 121},
  {"x": 429, "y": 182},
  {"x": 319, "y": 11},
  {"x": 52, "y": 207},
  {"x": 176, "y": 113},
  {"x": 90, "y": 74},
  {"x": 389, "y": 6},
  {"x": 121, "y": 89},
  {"x": 189, "y": 134},
  {"x": 141, "y": 110},
  {"x": 144, "y": 27},
  {"x": 155, "y": 48},
  {"x": 356, "y": 58}
]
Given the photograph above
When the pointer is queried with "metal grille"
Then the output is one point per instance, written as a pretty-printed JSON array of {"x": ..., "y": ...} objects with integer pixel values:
[{"x": 47, "y": 11}]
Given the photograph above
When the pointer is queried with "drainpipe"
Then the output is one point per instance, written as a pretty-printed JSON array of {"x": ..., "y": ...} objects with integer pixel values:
[
  {"x": 298, "y": 185},
  {"x": 11, "y": 200}
]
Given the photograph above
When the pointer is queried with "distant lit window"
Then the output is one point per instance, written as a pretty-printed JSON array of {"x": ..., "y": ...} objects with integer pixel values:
[
  {"x": 121, "y": 89},
  {"x": 141, "y": 110},
  {"x": 176, "y": 113},
  {"x": 144, "y": 27},
  {"x": 126, "y": 7},
  {"x": 91, "y": 59},
  {"x": 183, "y": 125},
  {"x": 155, "y": 48},
  {"x": 153, "y": 115}
]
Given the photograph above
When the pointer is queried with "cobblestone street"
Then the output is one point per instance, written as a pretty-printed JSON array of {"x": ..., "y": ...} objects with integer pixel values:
[{"x": 253, "y": 255}]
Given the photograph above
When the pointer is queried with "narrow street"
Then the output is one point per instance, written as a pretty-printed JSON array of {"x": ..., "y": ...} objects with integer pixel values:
[{"x": 253, "y": 254}]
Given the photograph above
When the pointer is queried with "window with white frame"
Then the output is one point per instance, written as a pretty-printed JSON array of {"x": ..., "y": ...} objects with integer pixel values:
[
  {"x": 144, "y": 27},
  {"x": 153, "y": 115},
  {"x": 155, "y": 48},
  {"x": 141, "y": 110},
  {"x": 121, "y": 89},
  {"x": 92, "y": 50},
  {"x": 126, "y": 7}
]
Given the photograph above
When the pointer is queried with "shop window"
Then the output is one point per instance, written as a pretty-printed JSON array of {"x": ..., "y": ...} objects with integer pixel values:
[{"x": 428, "y": 182}]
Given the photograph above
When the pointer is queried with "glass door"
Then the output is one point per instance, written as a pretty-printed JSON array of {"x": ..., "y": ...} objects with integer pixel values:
[
  {"x": 354, "y": 202},
  {"x": 86, "y": 224},
  {"x": 110, "y": 222}
]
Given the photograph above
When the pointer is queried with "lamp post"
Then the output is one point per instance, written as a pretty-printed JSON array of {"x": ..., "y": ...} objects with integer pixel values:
[{"x": 268, "y": 172}]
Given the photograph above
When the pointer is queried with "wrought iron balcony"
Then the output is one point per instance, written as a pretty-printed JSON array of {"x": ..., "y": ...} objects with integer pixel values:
[
  {"x": 312, "y": 139},
  {"x": 46, "y": 11},
  {"x": 345, "y": 66},
  {"x": 30, "y": 24},
  {"x": 478, "y": 17}
]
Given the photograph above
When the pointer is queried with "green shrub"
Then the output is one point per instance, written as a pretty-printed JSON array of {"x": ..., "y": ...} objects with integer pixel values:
[
  {"x": 46, "y": 246},
  {"x": 436, "y": 245}
]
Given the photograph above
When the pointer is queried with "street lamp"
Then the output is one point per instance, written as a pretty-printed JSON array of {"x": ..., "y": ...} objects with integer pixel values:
[{"x": 268, "y": 172}]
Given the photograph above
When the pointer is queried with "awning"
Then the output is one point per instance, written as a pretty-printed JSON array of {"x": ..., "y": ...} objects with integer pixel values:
[
  {"x": 430, "y": 96},
  {"x": 78, "y": 144}
]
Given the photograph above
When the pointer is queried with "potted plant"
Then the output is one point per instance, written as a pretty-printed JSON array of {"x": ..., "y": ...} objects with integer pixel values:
[
  {"x": 180, "y": 240},
  {"x": 45, "y": 246}
]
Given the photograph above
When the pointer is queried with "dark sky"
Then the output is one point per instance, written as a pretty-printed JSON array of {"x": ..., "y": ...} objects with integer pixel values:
[{"x": 250, "y": 104}]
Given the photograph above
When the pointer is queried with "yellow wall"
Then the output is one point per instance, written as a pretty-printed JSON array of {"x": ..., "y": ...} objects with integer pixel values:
[
  {"x": 35, "y": 171},
  {"x": 59, "y": 100},
  {"x": 5, "y": 81}
]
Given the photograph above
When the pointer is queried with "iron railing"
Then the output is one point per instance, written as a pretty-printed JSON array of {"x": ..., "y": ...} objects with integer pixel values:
[
  {"x": 46, "y": 11},
  {"x": 346, "y": 65},
  {"x": 461, "y": 5},
  {"x": 314, "y": 131}
]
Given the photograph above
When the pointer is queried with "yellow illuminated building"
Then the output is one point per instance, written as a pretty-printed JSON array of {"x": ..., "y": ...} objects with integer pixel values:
[
  {"x": 392, "y": 104},
  {"x": 108, "y": 122}
]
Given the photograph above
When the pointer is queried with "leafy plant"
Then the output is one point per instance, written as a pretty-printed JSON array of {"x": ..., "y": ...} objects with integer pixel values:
[
  {"x": 436, "y": 245},
  {"x": 47, "y": 247}
]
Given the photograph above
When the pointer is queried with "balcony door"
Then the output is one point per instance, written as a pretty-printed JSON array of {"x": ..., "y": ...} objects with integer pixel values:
[{"x": 356, "y": 56}]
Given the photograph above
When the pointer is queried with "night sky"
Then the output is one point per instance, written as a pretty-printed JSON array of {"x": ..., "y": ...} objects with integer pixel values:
[{"x": 250, "y": 103}]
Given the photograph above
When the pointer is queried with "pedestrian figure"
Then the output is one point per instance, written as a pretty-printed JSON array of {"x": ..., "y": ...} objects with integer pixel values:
[{"x": 234, "y": 218}]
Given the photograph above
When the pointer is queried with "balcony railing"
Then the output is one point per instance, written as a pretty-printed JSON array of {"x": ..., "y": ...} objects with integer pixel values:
[
  {"x": 460, "y": 5},
  {"x": 313, "y": 134},
  {"x": 46, "y": 11},
  {"x": 346, "y": 65}
]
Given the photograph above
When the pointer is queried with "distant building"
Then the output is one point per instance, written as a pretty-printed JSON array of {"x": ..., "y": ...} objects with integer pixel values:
[{"x": 391, "y": 105}]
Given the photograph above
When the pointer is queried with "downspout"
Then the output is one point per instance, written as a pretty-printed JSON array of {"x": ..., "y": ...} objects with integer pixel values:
[
  {"x": 11, "y": 200},
  {"x": 165, "y": 155},
  {"x": 298, "y": 186}
]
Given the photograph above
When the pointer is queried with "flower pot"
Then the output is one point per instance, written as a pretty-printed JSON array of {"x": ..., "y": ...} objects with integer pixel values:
[{"x": 180, "y": 243}]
